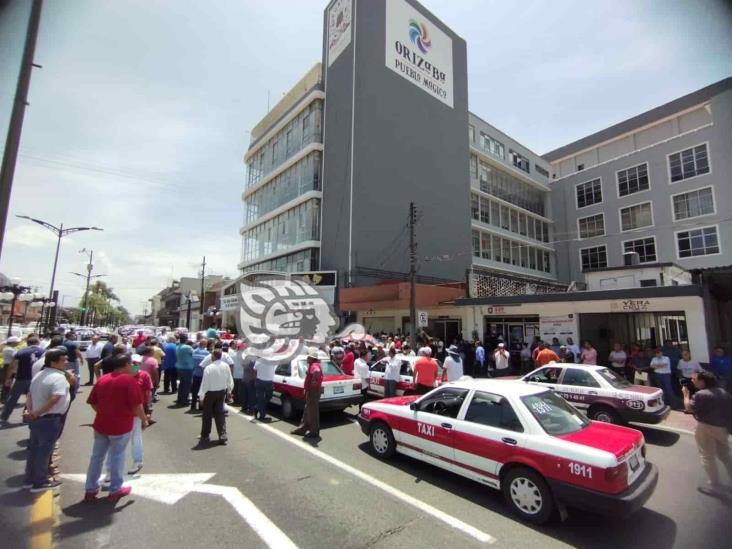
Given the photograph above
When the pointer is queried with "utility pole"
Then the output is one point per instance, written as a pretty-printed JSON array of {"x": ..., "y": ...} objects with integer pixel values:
[
  {"x": 12, "y": 143},
  {"x": 84, "y": 319},
  {"x": 203, "y": 277},
  {"x": 412, "y": 277}
]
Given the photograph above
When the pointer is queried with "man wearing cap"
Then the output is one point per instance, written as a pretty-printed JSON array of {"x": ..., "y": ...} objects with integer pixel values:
[
  {"x": 22, "y": 367},
  {"x": 453, "y": 365},
  {"x": 425, "y": 372},
  {"x": 310, "y": 424},
  {"x": 502, "y": 360},
  {"x": 8, "y": 352}
]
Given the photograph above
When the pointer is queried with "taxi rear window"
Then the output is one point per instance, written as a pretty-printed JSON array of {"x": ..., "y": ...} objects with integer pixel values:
[
  {"x": 329, "y": 368},
  {"x": 553, "y": 413}
]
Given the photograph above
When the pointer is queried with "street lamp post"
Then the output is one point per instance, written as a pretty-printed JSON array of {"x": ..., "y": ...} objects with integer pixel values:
[
  {"x": 60, "y": 232},
  {"x": 89, "y": 268}
]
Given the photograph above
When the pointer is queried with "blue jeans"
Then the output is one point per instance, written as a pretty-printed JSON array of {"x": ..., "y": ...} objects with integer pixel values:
[
  {"x": 20, "y": 387},
  {"x": 116, "y": 446},
  {"x": 264, "y": 394},
  {"x": 43, "y": 434},
  {"x": 185, "y": 378},
  {"x": 248, "y": 394},
  {"x": 664, "y": 382}
]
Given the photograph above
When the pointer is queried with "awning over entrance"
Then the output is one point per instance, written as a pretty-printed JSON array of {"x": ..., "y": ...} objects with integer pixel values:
[{"x": 396, "y": 296}]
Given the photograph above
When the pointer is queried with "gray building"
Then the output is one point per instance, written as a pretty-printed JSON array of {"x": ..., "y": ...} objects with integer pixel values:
[{"x": 654, "y": 188}]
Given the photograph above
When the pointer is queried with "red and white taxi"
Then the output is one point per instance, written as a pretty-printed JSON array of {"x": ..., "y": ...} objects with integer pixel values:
[
  {"x": 602, "y": 394},
  {"x": 405, "y": 386},
  {"x": 338, "y": 391},
  {"x": 519, "y": 438}
]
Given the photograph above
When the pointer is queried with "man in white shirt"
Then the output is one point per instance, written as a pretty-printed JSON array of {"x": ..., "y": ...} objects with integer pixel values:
[
  {"x": 93, "y": 355},
  {"x": 392, "y": 374},
  {"x": 453, "y": 365},
  {"x": 263, "y": 386},
  {"x": 617, "y": 359},
  {"x": 501, "y": 358},
  {"x": 361, "y": 371},
  {"x": 661, "y": 366},
  {"x": 216, "y": 383},
  {"x": 48, "y": 401}
]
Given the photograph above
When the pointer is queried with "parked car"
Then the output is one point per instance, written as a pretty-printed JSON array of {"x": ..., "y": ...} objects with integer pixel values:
[
  {"x": 520, "y": 438},
  {"x": 602, "y": 393},
  {"x": 405, "y": 386},
  {"x": 338, "y": 391}
]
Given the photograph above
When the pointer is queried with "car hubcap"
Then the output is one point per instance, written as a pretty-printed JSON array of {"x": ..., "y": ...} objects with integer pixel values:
[
  {"x": 380, "y": 441},
  {"x": 526, "y": 496},
  {"x": 604, "y": 416},
  {"x": 286, "y": 408}
]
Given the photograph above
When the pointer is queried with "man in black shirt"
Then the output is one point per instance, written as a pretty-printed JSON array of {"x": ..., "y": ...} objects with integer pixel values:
[
  {"x": 107, "y": 363},
  {"x": 712, "y": 407}
]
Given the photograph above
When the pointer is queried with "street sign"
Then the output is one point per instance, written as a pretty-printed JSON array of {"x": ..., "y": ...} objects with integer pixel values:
[{"x": 422, "y": 319}]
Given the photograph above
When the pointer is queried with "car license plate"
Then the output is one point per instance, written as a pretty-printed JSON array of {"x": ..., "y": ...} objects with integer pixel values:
[
  {"x": 338, "y": 390},
  {"x": 634, "y": 463}
]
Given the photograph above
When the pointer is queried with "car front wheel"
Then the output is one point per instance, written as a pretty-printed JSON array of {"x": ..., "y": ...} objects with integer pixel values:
[
  {"x": 528, "y": 495},
  {"x": 605, "y": 414},
  {"x": 382, "y": 440},
  {"x": 288, "y": 408}
]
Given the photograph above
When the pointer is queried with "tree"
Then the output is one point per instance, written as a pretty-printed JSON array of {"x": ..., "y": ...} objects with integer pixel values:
[{"x": 101, "y": 308}]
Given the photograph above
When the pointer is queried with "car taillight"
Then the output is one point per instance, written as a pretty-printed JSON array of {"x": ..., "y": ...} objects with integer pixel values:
[
  {"x": 617, "y": 476},
  {"x": 356, "y": 386}
]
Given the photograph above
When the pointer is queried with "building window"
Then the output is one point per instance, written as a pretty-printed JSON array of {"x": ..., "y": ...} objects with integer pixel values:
[
  {"x": 696, "y": 242},
  {"x": 693, "y": 204},
  {"x": 474, "y": 207},
  {"x": 636, "y": 217},
  {"x": 471, "y": 133},
  {"x": 633, "y": 180},
  {"x": 521, "y": 162},
  {"x": 485, "y": 208},
  {"x": 493, "y": 146},
  {"x": 589, "y": 193},
  {"x": 541, "y": 170},
  {"x": 688, "y": 163},
  {"x": 594, "y": 258},
  {"x": 644, "y": 247},
  {"x": 648, "y": 282},
  {"x": 473, "y": 166},
  {"x": 476, "y": 244},
  {"x": 485, "y": 246},
  {"x": 591, "y": 226}
]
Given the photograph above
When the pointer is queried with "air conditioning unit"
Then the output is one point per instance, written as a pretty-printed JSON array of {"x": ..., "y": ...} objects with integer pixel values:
[{"x": 631, "y": 258}]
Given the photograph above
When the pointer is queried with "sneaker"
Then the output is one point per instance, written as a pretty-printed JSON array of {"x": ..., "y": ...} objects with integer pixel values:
[
  {"x": 223, "y": 440},
  {"x": 114, "y": 497},
  {"x": 136, "y": 468},
  {"x": 45, "y": 486},
  {"x": 299, "y": 432},
  {"x": 90, "y": 496}
]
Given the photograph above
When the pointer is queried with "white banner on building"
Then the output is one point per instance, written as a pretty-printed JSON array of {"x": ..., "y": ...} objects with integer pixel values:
[
  {"x": 561, "y": 327},
  {"x": 418, "y": 51},
  {"x": 339, "y": 28}
]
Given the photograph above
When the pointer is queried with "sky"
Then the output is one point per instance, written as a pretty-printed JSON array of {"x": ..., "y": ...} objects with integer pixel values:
[{"x": 139, "y": 118}]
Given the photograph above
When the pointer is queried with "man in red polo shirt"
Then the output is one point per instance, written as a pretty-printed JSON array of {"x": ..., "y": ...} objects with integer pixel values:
[{"x": 116, "y": 399}]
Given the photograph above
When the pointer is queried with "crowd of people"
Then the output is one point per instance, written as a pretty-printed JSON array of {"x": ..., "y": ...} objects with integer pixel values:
[{"x": 204, "y": 374}]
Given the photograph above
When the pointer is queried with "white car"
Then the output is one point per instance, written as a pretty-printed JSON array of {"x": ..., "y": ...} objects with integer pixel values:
[
  {"x": 338, "y": 390},
  {"x": 519, "y": 438},
  {"x": 601, "y": 393}
]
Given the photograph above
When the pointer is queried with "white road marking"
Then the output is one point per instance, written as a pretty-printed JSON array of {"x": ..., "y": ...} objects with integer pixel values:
[
  {"x": 169, "y": 489},
  {"x": 446, "y": 518}
]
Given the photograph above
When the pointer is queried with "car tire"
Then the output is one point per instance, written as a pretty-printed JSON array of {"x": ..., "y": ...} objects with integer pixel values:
[
  {"x": 288, "y": 408},
  {"x": 528, "y": 495},
  {"x": 382, "y": 440},
  {"x": 604, "y": 414}
]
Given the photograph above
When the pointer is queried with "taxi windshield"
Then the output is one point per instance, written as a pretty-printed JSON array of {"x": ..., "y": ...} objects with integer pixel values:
[
  {"x": 614, "y": 379},
  {"x": 329, "y": 368},
  {"x": 553, "y": 413}
]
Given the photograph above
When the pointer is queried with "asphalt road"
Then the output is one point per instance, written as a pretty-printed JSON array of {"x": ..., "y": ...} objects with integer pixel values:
[{"x": 333, "y": 494}]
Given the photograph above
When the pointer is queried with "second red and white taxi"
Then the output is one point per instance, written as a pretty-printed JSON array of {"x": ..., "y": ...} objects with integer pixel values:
[
  {"x": 338, "y": 391},
  {"x": 519, "y": 438},
  {"x": 405, "y": 386}
]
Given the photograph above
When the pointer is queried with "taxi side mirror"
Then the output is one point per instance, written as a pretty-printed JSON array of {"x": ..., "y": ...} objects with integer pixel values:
[{"x": 412, "y": 405}]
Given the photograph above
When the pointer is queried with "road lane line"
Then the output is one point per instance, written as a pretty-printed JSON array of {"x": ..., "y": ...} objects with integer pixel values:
[
  {"x": 446, "y": 518},
  {"x": 41, "y": 515},
  {"x": 258, "y": 521}
]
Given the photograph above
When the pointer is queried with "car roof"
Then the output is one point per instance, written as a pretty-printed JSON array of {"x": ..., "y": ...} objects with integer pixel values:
[
  {"x": 590, "y": 367},
  {"x": 503, "y": 387}
]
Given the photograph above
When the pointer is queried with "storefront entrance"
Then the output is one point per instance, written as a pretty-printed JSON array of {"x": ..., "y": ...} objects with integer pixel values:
[
  {"x": 446, "y": 329},
  {"x": 648, "y": 329},
  {"x": 514, "y": 331}
]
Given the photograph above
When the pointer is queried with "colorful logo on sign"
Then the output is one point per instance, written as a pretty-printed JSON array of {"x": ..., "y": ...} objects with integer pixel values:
[{"x": 418, "y": 34}]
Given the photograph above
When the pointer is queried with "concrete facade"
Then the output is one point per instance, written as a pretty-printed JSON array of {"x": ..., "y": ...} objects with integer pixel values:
[{"x": 699, "y": 122}]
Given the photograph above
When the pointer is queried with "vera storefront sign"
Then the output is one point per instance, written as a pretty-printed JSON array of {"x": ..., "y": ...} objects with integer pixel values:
[
  {"x": 339, "y": 28},
  {"x": 418, "y": 51}
]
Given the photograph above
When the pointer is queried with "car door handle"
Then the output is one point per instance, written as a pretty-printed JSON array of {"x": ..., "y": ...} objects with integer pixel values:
[
  {"x": 447, "y": 425},
  {"x": 511, "y": 441}
]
